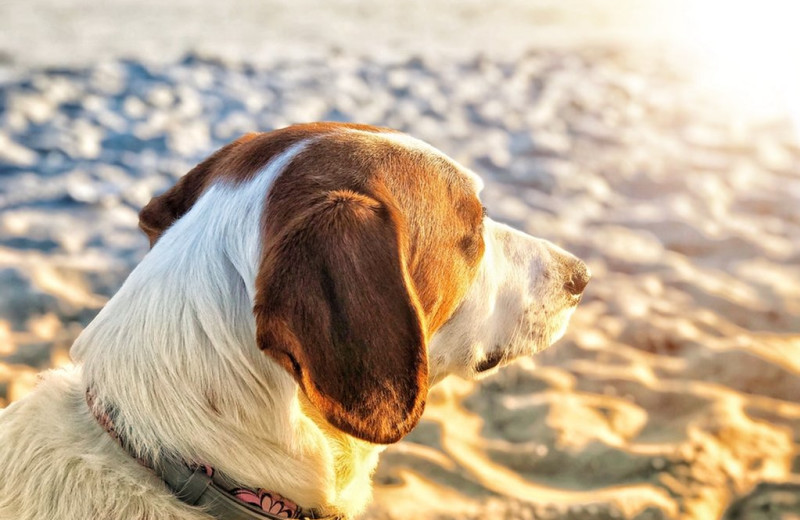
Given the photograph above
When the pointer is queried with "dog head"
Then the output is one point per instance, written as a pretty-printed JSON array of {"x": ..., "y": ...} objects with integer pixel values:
[{"x": 378, "y": 271}]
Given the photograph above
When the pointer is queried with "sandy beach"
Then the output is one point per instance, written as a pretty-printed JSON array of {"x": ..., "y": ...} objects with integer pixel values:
[{"x": 675, "y": 393}]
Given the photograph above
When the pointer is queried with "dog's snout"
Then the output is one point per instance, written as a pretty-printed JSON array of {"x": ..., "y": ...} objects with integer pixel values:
[{"x": 577, "y": 278}]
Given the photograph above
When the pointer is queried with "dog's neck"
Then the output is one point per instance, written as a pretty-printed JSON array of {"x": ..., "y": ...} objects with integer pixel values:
[{"x": 174, "y": 351}]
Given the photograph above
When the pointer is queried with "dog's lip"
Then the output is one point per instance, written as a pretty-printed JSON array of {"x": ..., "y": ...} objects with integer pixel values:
[
  {"x": 491, "y": 361},
  {"x": 501, "y": 359}
]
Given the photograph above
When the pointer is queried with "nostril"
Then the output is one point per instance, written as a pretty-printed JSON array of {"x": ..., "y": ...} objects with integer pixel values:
[{"x": 578, "y": 278}]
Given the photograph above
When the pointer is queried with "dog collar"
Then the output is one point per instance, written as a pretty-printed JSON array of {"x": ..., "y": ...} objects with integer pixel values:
[{"x": 203, "y": 487}]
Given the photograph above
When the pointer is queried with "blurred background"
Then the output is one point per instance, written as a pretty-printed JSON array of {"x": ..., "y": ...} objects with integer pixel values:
[{"x": 656, "y": 139}]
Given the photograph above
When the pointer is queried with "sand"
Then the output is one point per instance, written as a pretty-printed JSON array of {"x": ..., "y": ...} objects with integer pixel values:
[{"x": 676, "y": 390}]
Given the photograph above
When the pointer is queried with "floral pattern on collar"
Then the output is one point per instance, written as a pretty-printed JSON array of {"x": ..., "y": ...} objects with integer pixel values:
[{"x": 266, "y": 501}]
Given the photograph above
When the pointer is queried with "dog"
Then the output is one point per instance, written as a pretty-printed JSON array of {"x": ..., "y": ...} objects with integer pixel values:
[{"x": 304, "y": 289}]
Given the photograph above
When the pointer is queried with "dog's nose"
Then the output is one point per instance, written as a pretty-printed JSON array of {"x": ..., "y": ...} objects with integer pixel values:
[{"x": 577, "y": 278}]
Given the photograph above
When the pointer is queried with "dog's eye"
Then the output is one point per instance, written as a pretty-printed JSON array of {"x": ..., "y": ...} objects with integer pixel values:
[{"x": 484, "y": 211}]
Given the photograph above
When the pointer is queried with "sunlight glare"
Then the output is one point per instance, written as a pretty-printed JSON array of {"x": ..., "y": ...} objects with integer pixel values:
[{"x": 748, "y": 51}]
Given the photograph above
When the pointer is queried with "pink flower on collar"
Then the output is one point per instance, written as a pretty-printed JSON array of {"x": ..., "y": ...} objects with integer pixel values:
[{"x": 266, "y": 501}]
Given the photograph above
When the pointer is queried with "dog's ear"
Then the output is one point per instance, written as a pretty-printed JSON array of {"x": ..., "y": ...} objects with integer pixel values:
[
  {"x": 335, "y": 307},
  {"x": 162, "y": 211}
]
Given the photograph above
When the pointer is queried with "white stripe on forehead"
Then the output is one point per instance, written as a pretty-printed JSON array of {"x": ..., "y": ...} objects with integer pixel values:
[{"x": 413, "y": 143}]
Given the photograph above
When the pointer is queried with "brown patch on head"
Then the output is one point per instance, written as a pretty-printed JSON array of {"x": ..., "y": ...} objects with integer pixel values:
[
  {"x": 368, "y": 248},
  {"x": 235, "y": 162},
  {"x": 445, "y": 222}
]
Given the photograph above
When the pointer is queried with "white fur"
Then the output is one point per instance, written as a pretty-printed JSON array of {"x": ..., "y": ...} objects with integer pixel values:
[
  {"x": 175, "y": 351},
  {"x": 516, "y": 306}
]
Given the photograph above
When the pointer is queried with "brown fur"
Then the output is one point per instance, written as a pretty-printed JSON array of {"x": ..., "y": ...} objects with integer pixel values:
[
  {"x": 334, "y": 308},
  {"x": 236, "y": 161},
  {"x": 368, "y": 248}
]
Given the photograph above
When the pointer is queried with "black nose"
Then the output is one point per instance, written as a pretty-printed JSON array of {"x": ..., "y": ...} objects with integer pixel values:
[{"x": 578, "y": 277}]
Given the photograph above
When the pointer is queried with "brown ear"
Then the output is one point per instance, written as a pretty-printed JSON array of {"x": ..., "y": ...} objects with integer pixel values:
[
  {"x": 335, "y": 309},
  {"x": 162, "y": 211}
]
